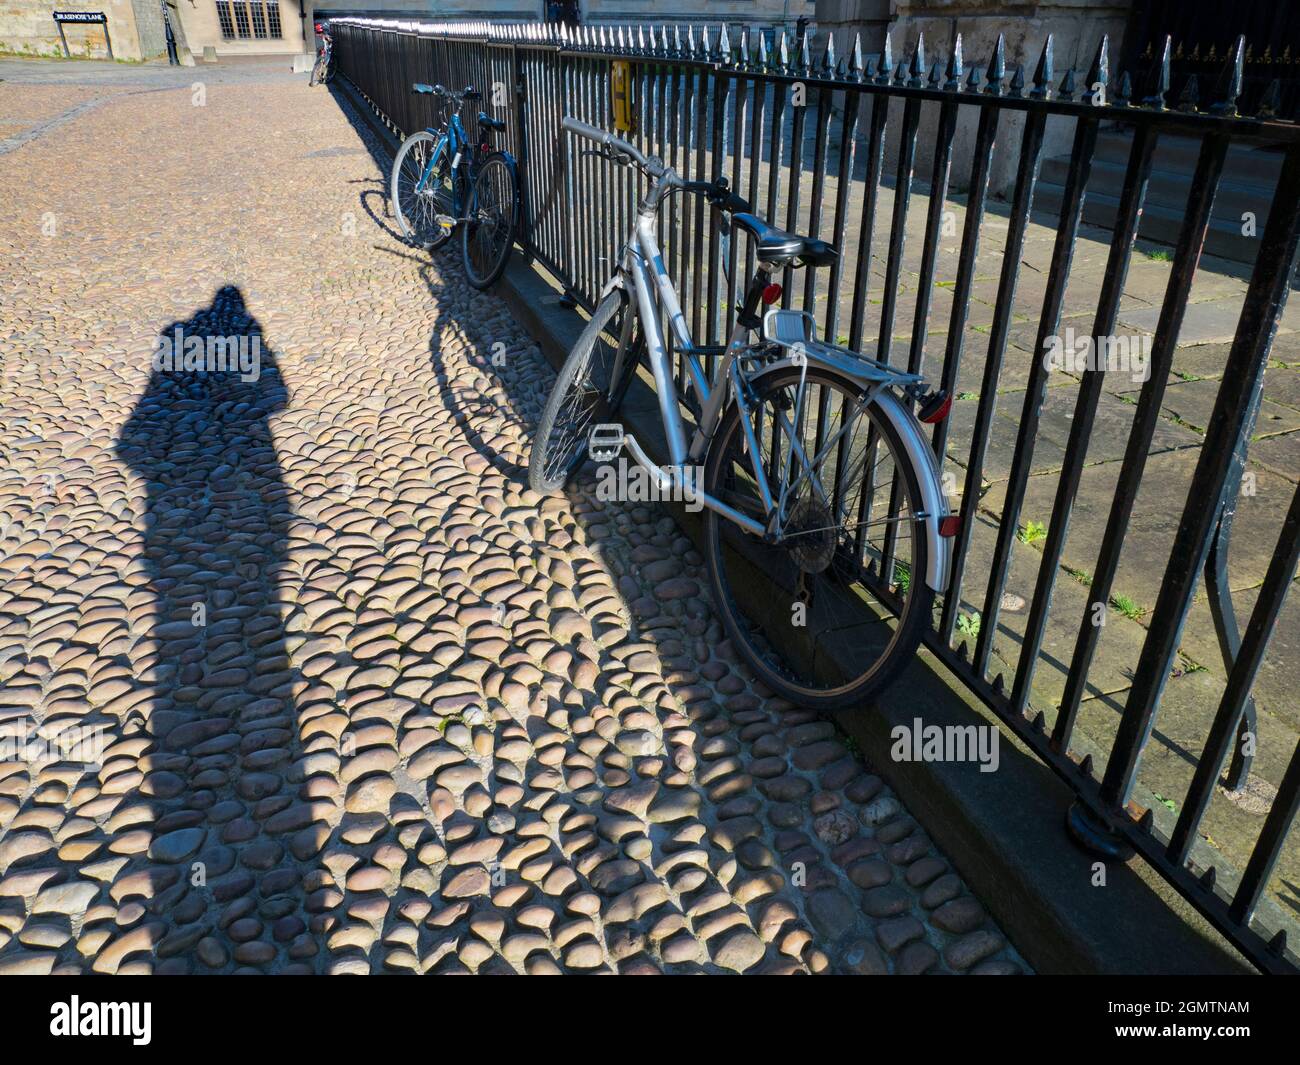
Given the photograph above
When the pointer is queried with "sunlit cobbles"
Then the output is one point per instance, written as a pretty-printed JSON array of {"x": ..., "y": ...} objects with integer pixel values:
[{"x": 428, "y": 721}]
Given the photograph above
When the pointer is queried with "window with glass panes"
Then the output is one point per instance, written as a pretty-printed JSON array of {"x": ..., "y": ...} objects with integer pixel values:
[{"x": 243, "y": 20}]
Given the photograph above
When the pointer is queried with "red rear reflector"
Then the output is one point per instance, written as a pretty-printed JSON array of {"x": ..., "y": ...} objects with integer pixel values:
[
  {"x": 940, "y": 413},
  {"x": 950, "y": 526},
  {"x": 772, "y": 293}
]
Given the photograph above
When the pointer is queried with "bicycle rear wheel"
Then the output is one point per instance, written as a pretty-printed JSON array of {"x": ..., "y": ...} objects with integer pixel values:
[
  {"x": 585, "y": 391},
  {"x": 488, "y": 234},
  {"x": 422, "y": 211},
  {"x": 828, "y": 615}
]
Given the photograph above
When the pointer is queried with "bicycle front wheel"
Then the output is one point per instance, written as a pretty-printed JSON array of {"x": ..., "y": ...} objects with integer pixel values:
[
  {"x": 590, "y": 386},
  {"x": 487, "y": 235},
  {"x": 423, "y": 211},
  {"x": 828, "y": 614}
]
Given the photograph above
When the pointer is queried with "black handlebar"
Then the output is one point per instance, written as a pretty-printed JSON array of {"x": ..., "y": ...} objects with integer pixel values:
[
  {"x": 716, "y": 190},
  {"x": 719, "y": 195}
]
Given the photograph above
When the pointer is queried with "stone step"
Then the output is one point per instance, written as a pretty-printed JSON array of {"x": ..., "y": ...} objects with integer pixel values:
[{"x": 1249, "y": 178}]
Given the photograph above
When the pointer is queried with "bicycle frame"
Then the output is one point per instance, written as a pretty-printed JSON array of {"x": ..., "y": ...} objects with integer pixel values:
[
  {"x": 642, "y": 266},
  {"x": 455, "y": 140}
]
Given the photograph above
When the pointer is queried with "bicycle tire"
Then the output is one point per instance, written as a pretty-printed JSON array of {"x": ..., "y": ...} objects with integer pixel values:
[
  {"x": 545, "y": 475},
  {"x": 494, "y": 185},
  {"x": 411, "y": 209},
  {"x": 754, "y": 567}
]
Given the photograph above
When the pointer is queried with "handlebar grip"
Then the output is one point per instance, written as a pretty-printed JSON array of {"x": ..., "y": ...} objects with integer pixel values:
[
  {"x": 608, "y": 140},
  {"x": 583, "y": 129}
]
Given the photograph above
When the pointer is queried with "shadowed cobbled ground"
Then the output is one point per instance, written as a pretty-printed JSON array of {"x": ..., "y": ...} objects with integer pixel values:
[{"x": 367, "y": 703}]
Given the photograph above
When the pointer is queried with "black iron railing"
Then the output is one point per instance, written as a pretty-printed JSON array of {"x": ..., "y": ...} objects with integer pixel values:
[{"x": 825, "y": 145}]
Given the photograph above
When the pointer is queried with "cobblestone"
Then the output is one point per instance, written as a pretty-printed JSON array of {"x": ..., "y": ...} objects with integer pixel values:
[{"x": 369, "y": 704}]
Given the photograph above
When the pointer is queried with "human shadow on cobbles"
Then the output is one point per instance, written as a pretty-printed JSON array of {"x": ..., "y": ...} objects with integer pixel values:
[{"x": 227, "y": 891}]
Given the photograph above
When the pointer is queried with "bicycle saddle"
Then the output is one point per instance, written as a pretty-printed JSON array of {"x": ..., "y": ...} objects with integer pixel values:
[
  {"x": 486, "y": 121},
  {"x": 777, "y": 244},
  {"x": 419, "y": 86}
]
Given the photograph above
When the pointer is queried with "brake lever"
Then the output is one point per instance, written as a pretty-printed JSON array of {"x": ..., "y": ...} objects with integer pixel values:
[{"x": 605, "y": 153}]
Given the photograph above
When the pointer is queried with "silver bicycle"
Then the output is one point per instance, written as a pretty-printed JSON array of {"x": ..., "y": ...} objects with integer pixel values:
[{"x": 826, "y": 528}]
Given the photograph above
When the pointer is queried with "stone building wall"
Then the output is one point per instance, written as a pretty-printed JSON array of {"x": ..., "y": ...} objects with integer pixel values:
[
  {"x": 1076, "y": 27},
  {"x": 27, "y": 27}
]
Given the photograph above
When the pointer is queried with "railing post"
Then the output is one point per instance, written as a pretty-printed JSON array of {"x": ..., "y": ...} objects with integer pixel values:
[{"x": 1265, "y": 300}]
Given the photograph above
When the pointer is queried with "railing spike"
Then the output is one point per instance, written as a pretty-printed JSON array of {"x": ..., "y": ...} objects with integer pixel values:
[
  {"x": 1147, "y": 820},
  {"x": 783, "y": 52},
  {"x": 1207, "y": 879},
  {"x": 936, "y": 74},
  {"x": 677, "y": 39},
  {"x": 690, "y": 39},
  {"x": 998, "y": 683},
  {"x": 1124, "y": 93},
  {"x": 1277, "y": 945},
  {"x": 1270, "y": 101},
  {"x": 973, "y": 80},
  {"x": 1044, "y": 73},
  {"x": 1066, "y": 91},
  {"x": 917, "y": 65},
  {"x": 886, "y": 64},
  {"x": 706, "y": 46},
  {"x": 1018, "y": 81},
  {"x": 742, "y": 53},
  {"x": 640, "y": 38},
  {"x": 1190, "y": 98},
  {"x": 855, "y": 57},
  {"x": 1229, "y": 88},
  {"x": 1158, "y": 81},
  {"x": 1040, "y": 721},
  {"x": 955, "y": 68},
  {"x": 764, "y": 60},
  {"x": 829, "y": 64},
  {"x": 997, "y": 68},
  {"x": 724, "y": 45},
  {"x": 1085, "y": 767}
]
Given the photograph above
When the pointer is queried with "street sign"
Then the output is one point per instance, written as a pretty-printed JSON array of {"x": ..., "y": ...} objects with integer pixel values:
[{"x": 93, "y": 18}]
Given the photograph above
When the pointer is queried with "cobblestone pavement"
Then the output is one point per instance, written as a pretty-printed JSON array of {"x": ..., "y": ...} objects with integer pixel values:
[{"x": 369, "y": 704}]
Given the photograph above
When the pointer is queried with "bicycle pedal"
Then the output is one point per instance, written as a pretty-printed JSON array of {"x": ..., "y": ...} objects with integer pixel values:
[
  {"x": 445, "y": 220},
  {"x": 605, "y": 441}
]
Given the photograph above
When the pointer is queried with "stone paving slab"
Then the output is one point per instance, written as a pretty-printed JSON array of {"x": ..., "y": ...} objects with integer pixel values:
[{"x": 369, "y": 704}]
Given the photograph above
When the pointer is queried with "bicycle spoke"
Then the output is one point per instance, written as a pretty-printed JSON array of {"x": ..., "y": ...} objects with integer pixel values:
[{"x": 820, "y": 592}]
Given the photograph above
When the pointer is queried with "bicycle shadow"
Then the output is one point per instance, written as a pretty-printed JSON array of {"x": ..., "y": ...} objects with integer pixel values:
[{"x": 495, "y": 412}]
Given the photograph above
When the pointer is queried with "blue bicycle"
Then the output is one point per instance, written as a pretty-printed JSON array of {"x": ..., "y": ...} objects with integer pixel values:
[{"x": 442, "y": 180}]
